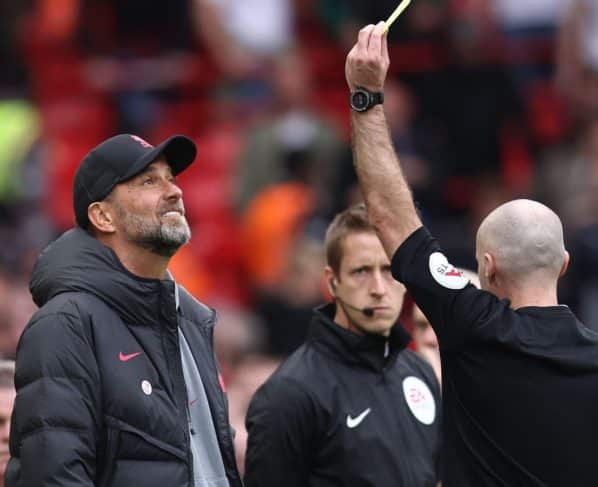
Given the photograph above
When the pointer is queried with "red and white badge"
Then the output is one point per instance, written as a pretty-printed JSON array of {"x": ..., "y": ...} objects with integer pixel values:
[
  {"x": 144, "y": 143},
  {"x": 419, "y": 399},
  {"x": 445, "y": 274}
]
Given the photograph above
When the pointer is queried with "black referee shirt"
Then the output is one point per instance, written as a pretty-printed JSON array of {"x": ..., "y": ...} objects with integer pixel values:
[
  {"x": 340, "y": 412},
  {"x": 520, "y": 387}
]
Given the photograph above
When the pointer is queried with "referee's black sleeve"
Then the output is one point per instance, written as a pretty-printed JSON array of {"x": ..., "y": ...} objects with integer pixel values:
[
  {"x": 456, "y": 309},
  {"x": 280, "y": 423}
]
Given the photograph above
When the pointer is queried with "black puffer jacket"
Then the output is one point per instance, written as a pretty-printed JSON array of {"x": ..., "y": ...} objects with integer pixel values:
[{"x": 101, "y": 398}]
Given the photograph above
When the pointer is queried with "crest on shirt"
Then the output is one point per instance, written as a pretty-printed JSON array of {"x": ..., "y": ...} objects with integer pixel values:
[
  {"x": 420, "y": 400},
  {"x": 445, "y": 274}
]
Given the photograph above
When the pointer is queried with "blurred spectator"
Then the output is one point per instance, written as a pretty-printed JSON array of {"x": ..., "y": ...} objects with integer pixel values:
[
  {"x": 284, "y": 179},
  {"x": 293, "y": 143},
  {"x": 248, "y": 375},
  {"x": 581, "y": 286},
  {"x": 261, "y": 28},
  {"x": 135, "y": 27},
  {"x": 420, "y": 154},
  {"x": 24, "y": 228},
  {"x": 15, "y": 309},
  {"x": 428, "y": 19},
  {"x": 287, "y": 308},
  {"x": 567, "y": 178},
  {"x": 268, "y": 228},
  {"x": 468, "y": 105},
  {"x": 529, "y": 29},
  {"x": 237, "y": 335},
  {"x": 13, "y": 75},
  {"x": 6, "y": 312},
  {"x": 282, "y": 263},
  {"x": 138, "y": 53},
  {"x": 7, "y": 399},
  {"x": 577, "y": 57},
  {"x": 425, "y": 341},
  {"x": 19, "y": 130},
  {"x": 521, "y": 16},
  {"x": 567, "y": 181},
  {"x": 243, "y": 39}
]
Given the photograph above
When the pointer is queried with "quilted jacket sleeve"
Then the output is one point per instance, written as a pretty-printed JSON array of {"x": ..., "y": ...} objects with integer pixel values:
[{"x": 56, "y": 418}]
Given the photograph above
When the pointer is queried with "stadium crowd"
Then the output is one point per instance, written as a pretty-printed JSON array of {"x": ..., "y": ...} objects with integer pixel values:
[{"x": 487, "y": 101}]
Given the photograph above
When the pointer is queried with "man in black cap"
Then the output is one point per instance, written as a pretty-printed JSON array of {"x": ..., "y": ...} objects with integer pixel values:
[{"x": 116, "y": 378}]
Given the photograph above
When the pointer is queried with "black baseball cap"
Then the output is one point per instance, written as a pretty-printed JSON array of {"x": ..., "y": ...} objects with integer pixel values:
[{"x": 120, "y": 158}]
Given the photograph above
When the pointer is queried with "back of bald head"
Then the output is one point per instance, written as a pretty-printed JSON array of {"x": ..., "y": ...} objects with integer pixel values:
[{"x": 526, "y": 239}]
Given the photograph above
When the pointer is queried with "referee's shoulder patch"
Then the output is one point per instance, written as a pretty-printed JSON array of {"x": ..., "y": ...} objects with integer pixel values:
[{"x": 446, "y": 274}]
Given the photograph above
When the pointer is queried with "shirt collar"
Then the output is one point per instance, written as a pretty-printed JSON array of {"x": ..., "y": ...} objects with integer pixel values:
[
  {"x": 376, "y": 351},
  {"x": 176, "y": 288}
]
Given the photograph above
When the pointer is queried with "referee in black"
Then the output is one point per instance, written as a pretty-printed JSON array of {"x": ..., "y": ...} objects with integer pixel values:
[
  {"x": 520, "y": 372},
  {"x": 353, "y": 406}
]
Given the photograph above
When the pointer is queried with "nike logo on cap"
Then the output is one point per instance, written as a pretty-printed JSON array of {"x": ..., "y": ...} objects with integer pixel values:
[
  {"x": 123, "y": 358},
  {"x": 354, "y": 422}
]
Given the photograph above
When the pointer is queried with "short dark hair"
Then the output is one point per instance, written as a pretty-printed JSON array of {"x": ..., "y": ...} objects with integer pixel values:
[{"x": 352, "y": 220}]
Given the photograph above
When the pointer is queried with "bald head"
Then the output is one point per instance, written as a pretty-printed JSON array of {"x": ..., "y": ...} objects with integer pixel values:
[{"x": 526, "y": 240}]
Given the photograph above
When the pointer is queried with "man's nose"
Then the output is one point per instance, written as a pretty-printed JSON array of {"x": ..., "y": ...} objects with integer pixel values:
[
  {"x": 378, "y": 284},
  {"x": 173, "y": 191}
]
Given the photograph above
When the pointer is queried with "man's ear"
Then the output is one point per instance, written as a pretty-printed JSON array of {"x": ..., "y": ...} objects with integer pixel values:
[
  {"x": 565, "y": 264},
  {"x": 489, "y": 268},
  {"x": 100, "y": 215},
  {"x": 330, "y": 280}
]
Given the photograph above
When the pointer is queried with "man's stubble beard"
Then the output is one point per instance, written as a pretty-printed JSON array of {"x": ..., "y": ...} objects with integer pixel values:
[{"x": 162, "y": 239}]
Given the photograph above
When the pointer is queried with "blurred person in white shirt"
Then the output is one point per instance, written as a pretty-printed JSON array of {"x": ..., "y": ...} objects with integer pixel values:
[{"x": 245, "y": 34}]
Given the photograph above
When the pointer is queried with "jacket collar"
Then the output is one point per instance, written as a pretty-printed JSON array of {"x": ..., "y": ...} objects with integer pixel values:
[
  {"x": 367, "y": 350},
  {"x": 77, "y": 262}
]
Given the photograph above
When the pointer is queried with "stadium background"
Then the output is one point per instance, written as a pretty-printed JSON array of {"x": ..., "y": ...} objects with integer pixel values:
[{"x": 488, "y": 100}]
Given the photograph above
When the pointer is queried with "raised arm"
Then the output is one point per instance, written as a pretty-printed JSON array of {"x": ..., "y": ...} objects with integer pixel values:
[{"x": 386, "y": 192}]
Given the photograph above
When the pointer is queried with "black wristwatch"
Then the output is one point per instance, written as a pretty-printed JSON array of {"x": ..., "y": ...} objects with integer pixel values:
[{"x": 361, "y": 100}]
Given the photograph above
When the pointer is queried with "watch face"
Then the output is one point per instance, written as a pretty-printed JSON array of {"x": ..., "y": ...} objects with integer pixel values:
[{"x": 360, "y": 100}]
